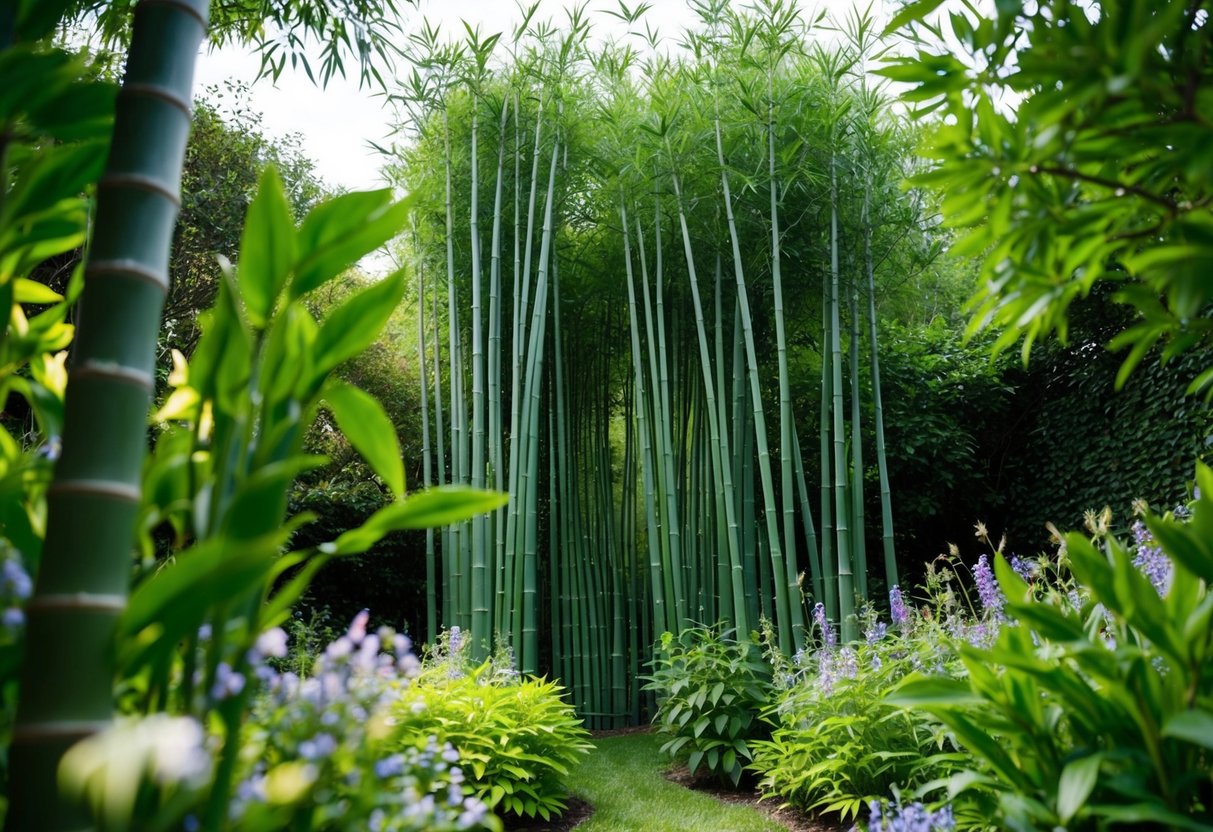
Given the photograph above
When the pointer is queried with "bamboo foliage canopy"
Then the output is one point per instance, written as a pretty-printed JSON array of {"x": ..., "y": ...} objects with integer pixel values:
[{"x": 626, "y": 254}]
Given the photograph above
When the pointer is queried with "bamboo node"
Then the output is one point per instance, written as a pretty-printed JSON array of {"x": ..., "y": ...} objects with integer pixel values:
[
  {"x": 139, "y": 182},
  {"x": 35, "y": 732},
  {"x": 97, "y": 488},
  {"x": 165, "y": 94},
  {"x": 113, "y": 372},
  {"x": 76, "y": 601},
  {"x": 181, "y": 6},
  {"x": 126, "y": 268}
]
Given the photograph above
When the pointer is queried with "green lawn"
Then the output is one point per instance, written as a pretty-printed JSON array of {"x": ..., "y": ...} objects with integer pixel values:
[{"x": 624, "y": 780}]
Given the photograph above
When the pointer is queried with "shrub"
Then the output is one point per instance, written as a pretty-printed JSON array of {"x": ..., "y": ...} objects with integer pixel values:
[
  {"x": 1094, "y": 708},
  {"x": 516, "y": 738},
  {"x": 710, "y": 688},
  {"x": 835, "y": 745}
]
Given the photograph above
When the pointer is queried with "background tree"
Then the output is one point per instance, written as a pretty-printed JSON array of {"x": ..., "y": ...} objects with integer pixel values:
[{"x": 1072, "y": 151}]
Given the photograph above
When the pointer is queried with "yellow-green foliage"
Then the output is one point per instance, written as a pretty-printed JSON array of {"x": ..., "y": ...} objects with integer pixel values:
[{"x": 516, "y": 739}]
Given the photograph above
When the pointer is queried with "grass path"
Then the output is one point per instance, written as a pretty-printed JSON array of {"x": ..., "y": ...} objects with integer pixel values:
[{"x": 624, "y": 780}]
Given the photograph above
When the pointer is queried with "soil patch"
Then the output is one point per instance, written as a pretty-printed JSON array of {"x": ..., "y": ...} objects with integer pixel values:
[
  {"x": 794, "y": 819},
  {"x": 578, "y": 812}
]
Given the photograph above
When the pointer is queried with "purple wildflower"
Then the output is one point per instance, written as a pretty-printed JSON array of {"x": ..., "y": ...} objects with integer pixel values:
[
  {"x": 876, "y": 632},
  {"x": 14, "y": 581},
  {"x": 228, "y": 683},
  {"x": 1026, "y": 569},
  {"x": 898, "y": 611},
  {"x": 912, "y": 818},
  {"x": 1150, "y": 559},
  {"x": 828, "y": 636},
  {"x": 987, "y": 588}
]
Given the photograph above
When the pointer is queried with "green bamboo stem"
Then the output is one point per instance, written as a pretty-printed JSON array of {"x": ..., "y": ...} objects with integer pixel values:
[
  {"x": 829, "y": 564},
  {"x": 481, "y": 620},
  {"x": 856, "y": 489},
  {"x": 646, "y": 453},
  {"x": 882, "y": 464},
  {"x": 786, "y": 423},
  {"x": 787, "y": 615},
  {"x": 82, "y": 584},
  {"x": 846, "y": 579},
  {"x": 427, "y": 475}
]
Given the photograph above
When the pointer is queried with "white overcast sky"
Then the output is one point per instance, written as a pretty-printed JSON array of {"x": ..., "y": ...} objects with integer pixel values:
[{"x": 337, "y": 122}]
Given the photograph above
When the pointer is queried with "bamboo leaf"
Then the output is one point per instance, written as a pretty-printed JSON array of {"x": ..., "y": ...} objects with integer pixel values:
[
  {"x": 366, "y": 424},
  {"x": 435, "y": 507},
  {"x": 354, "y": 325},
  {"x": 1194, "y": 726},
  {"x": 267, "y": 248},
  {"x": 912, "y": 13},
  {"x": 337, "y": 233}
]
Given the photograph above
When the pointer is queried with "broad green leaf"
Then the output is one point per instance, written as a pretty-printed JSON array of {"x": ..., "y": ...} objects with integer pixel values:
[
  {"x": 922, "y": 692},
  {"x": 173, "y": 601},
  {"x": 260, "y": 501},
  {"x": 267, "y": 248},
  {"x": 1194, "y": 726},
  {"x": 1075, "y": 785},
  {"x": 421, "y": 510},
  {"x": 366, "y": 424},
  {"x": 354, "y": 325},
  {"x": 340, "y": 231}
]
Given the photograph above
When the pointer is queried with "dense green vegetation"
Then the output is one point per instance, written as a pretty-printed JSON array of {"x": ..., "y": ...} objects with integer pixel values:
[{"x": 678, "y": 331}]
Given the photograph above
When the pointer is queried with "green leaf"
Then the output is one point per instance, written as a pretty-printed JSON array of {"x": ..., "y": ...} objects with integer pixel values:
[
  {"x": 267, "y": 248},
  {"x": 354, "y": 325},
  {"x": 1075, "y": 785},
  {"x": 335, "y": 234},
  {"x": 922, "y": 692},
  {"x": 911, "y": 13},
  {"x": 260, "y": 501},
  {"x": 1194, "y": 726},
  {"x": 31, "y": 291},
  {"x": 422, "y": 510},
  {"x": 365, "y": 423}
]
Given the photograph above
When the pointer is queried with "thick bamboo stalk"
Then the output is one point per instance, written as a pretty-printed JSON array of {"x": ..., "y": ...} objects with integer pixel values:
[
  {"x": 829, "y": 563},
  {"x": 481, "y": 632},
  {"x": 66, "y": 683}
]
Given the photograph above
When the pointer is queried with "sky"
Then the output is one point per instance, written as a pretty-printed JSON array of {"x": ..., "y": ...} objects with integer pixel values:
[{"x": 336, "y": 123}]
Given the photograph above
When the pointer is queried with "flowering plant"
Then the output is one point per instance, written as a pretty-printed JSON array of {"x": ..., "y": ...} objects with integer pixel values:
[
  {"x": 1094, "y": 705},
  {"x": 320, "y": 752},
  {"x": 835, "y": 745}
]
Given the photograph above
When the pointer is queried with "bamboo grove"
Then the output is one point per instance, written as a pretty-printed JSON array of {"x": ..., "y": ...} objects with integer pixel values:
[{"x": 644, "y": 274}]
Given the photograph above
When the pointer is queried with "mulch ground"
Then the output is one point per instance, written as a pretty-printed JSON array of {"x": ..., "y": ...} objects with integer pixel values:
[
  {"x": 579, "y": 811},
  {"x": 573, "y": 816}
]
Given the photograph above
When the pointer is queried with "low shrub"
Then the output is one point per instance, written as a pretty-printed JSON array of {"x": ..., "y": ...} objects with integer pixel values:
[
  {"x": 516, "y": 738},
  {"x": 710, "y": 689},
  {"x": 835, "y": 745}
]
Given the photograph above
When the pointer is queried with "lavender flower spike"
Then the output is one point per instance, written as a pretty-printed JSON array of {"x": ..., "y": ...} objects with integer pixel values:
[
  {"x": 898, "y": 611},
  {"x": 987, "y": 588}
]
